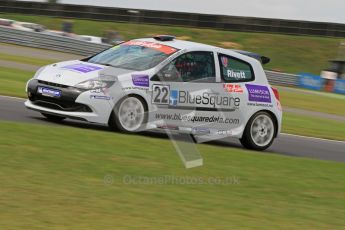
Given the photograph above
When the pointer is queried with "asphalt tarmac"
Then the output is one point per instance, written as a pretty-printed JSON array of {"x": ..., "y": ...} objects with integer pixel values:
[{"x": 13, "y": 109}]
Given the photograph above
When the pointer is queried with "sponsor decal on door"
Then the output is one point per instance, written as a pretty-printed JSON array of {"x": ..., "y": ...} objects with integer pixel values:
[{"x": 258, "y": 93}]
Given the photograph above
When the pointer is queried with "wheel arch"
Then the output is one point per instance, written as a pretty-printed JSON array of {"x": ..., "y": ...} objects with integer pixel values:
[
  {"x": 140, "y": 97},
  {"x": 274, "y": 117},
  {"x": 247, "y": 139}
]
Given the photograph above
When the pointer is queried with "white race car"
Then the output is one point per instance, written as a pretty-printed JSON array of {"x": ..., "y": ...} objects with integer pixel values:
[{"x": 164, "y": 83}]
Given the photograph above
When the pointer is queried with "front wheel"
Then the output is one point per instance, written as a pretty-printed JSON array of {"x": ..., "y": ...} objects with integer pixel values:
[
  {"x": 53, "y": 117},
  {"x": 259, "y": 132},
  {"x": 129, "y": 115}
]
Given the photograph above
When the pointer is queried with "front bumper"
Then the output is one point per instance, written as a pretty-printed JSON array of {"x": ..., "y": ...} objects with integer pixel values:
[
  {"x": 66, "y": 102},
  {"x": 91, "y": 117},
  {"x": 73, "y": 103}
]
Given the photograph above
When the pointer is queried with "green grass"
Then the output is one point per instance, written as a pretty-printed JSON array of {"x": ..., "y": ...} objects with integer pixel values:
[
  {"x": 12, "y": 81},
  {"x": 291, "y": 54},
  {"x": 310, "y": 100},
  {"x": 49, "y": 180},
  {"x": 313, "y": 126},
  {"x": 25, "y": 59}
]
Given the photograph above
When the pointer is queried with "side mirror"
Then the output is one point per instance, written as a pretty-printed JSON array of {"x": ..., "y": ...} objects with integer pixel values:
[
  {"x": 165, "y": 74},
  {"x": 161, "y": 76}
]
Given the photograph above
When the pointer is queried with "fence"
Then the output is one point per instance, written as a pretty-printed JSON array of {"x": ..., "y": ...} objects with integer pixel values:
[
  {"x": 284, "y": 79},
  {"x": 221, "y": 22},
  {"x": 51, "y": 42}
]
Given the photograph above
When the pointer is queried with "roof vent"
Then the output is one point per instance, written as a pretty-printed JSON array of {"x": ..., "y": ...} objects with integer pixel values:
[{"x": 164, "y": 38}]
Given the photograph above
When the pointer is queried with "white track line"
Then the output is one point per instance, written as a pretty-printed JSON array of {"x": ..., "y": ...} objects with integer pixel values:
[
  {"x": 286, "y": 134},
  {"x": 16, "y": 98},
  {"x": 315, "y": 138}
]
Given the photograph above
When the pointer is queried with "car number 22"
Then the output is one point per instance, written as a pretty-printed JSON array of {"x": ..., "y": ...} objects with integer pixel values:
[{"x": 160, "y": 94}]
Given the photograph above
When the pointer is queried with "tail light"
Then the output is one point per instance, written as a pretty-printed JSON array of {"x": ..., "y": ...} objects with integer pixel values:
[{"x": 276, "y": 93}]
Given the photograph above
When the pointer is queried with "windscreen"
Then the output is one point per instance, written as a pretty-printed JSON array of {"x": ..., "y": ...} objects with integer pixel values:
[{"x": 134, "y": 55}]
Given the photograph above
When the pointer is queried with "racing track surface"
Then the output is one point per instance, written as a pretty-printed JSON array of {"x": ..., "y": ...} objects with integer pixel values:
[{"x": 12, "y": 109}]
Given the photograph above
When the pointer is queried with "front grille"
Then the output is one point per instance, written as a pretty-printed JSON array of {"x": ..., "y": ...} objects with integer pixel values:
[
  {"x": 59, "y": 104},
  {"x": 52, "y": 84}
]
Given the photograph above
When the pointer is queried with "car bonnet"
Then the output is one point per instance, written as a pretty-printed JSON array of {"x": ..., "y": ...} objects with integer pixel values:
[{"x": 71, "y": 73}]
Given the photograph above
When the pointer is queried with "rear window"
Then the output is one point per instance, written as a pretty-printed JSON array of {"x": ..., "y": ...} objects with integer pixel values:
[
  {"x": 134, "y": 55},
  {"x": 234, "y": 69}
]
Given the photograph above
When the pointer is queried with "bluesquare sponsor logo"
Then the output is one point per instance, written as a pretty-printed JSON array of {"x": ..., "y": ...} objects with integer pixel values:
[
  {"x": 173, "y": 97},
  {"x": 258, "y": 93},
  {"x": 208, "y": 100},
  {"x": 141, "y": 80}
]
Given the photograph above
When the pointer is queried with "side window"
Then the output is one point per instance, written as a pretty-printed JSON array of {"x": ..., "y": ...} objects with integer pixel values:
[
  {"x": 189, "y": 67},
  {"x": 235, "y": 70}
]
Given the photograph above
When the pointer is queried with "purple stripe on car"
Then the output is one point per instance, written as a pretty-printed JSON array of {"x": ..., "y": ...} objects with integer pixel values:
[
  {"x": 141, "y": 80},
  {"x": 83, "y": 68}
]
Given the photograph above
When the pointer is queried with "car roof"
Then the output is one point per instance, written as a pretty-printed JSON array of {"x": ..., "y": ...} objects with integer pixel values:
[{"x": 179, "y": 44}]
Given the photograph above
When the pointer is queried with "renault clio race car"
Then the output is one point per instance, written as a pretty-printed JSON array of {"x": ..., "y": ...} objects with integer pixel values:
[{"x": 164, "y": 83}]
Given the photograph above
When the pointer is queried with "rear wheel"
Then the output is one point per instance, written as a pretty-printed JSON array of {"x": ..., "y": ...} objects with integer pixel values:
[
  {"x": 129, "y": 115},
  {"x": 259, "y": 132},
  {"x": 53, "y": 117}
]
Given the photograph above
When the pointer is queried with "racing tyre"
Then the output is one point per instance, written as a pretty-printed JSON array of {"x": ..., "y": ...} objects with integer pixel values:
[
  {"x": 129, "y": 115},
  {"x": 54, "y": 118},
  {"x": 259, "y": 132}
]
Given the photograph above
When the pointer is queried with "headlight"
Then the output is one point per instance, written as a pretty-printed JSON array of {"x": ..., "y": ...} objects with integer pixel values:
[{"x": 94, "y": 84}]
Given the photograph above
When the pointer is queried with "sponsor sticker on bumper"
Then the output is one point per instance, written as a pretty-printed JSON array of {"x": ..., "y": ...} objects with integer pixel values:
[{"x": 49, "y": 92}]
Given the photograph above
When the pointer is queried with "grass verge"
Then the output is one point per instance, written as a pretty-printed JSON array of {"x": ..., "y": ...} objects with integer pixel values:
[
  {"x": 49, "y": 179},
  {"x": 288, "y": 53},
  {"x": 313, "y": 101},
  {"x": 12, "y": 81},
  {"x": 313, "y": 126},
  {"x": 25, "y": 59}
]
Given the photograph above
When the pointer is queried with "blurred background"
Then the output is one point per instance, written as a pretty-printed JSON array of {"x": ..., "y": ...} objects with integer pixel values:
[
  {"x": 315, "y": 43},
  {"x": 72, "y": 175}
]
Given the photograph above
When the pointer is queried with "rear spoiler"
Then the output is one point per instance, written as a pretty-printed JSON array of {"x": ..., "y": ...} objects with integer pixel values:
[{"x": 264, "y": 60}]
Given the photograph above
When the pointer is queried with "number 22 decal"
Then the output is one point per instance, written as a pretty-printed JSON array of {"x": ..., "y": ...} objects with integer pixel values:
[{"x": 160, "y": 94}]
